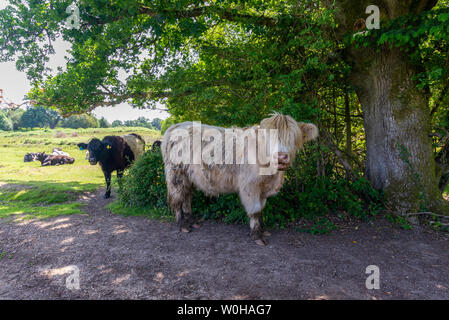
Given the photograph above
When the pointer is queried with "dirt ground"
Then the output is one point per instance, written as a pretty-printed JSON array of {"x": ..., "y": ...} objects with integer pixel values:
[{"x": 138, "y": 258}]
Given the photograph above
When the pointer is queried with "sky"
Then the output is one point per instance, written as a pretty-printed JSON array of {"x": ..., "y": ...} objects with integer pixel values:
[{"x": 15, "y": 85}]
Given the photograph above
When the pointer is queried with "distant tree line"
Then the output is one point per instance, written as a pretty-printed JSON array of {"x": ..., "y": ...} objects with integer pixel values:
[
  {"x": 156, "y": 123},
  {"x": 40, "y": 117}
]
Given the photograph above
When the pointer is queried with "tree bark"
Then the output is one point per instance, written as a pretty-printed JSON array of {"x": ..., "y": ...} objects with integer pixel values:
[{"x": 397, "y": 126}]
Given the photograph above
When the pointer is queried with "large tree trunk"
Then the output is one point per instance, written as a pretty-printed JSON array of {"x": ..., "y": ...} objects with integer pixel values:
[
  {"x": 397, "y": 120},
  {"x": 397, "y": 125}
]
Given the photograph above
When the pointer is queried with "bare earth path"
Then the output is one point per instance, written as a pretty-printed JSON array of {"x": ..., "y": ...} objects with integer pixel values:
[{"x": 137, "y": 258}]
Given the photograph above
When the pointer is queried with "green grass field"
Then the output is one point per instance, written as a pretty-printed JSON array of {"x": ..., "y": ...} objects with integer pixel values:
[{"x": 28, "y": 190}]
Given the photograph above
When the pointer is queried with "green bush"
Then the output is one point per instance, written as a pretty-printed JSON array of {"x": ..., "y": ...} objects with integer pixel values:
[
  {"x": 5, "y": 122},
  {"x": 103, "y": 123},
  {"x": 15, "y": 115},
  {"x": 313, "y": 198},
  {"x": 144, "y": 185},
  {"x": 79, "y": 121},
  {"x": 39, "y": 117},
  {"x": 117, "y": 123}
]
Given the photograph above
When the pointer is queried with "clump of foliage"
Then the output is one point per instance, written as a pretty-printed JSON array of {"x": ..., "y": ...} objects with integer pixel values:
[
  {"x": 5, "y": 122},
  {"x": 117, "y": 123},
  {"x": 39, "y": 117},
  {"x": 103, "y": 123},
  {"x": 139, "y": 122},
  {"x": 14, "y": 115},
  {"x": 144, "y": 185},
  {"x": 79, "y": 121}
]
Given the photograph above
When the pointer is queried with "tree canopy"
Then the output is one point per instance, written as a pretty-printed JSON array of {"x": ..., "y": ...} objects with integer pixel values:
[
  {"x": 232, "y": 56},
  {"x": 40, "y": 117}
]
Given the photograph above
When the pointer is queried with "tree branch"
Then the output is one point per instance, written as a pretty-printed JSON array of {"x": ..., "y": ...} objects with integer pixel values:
[
  {"x": 226, "y": 14},
  {"x": 327, "y": 140}
]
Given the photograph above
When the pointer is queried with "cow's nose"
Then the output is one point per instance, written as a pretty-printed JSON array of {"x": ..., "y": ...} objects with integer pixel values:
[
  {"x": 283, "y": 156},
  {"x": 283, "y": 161}
]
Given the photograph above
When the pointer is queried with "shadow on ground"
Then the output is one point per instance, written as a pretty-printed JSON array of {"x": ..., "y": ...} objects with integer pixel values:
[{"x": 137, "y": 258}]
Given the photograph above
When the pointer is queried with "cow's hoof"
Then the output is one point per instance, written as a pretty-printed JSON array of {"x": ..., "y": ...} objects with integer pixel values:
[
  {"x": 261, "y": 242},
  {"x": 185, "y": 230},
  {"x": 267, "y": 233},
  {"x": 196, "y": 225},
  {"x": 107, "y": 196}
]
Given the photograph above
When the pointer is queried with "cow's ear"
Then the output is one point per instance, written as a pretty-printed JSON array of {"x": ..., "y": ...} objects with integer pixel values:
[
  {"x": 82, "y": 146},
  {"x": 309, "y": 131}
]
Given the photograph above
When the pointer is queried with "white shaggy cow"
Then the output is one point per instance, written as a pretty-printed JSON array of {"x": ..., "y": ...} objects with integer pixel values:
[{"x": 219, "y": 161}]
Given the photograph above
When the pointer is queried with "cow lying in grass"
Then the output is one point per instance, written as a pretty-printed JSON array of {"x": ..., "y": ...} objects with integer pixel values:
[
  {"x": 114, "y": 153},
  {"x": 249, "y": 179},
  {"x": 33, "y": 156},
  {"x": 53, "y": 160}
]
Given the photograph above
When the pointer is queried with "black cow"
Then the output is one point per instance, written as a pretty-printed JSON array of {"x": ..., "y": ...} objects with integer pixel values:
[
  {"x": 35, "y": 156},
  {"x": 114, "y": 153},
  {"x": 156, "y": 146},
  {"x": 30, "y": 157}
]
